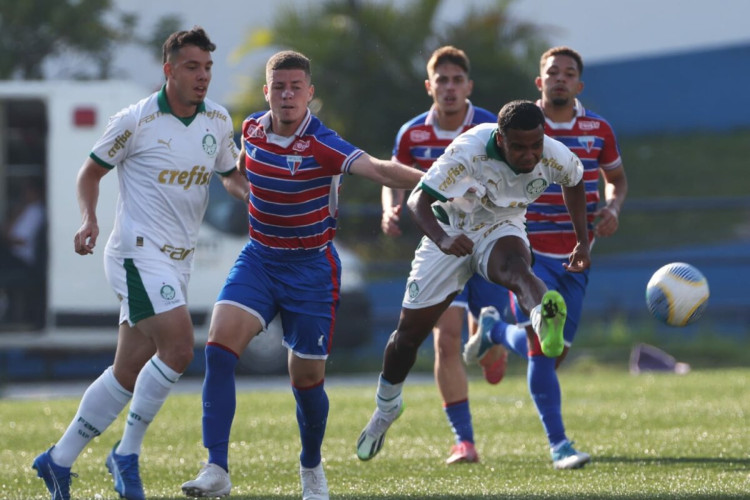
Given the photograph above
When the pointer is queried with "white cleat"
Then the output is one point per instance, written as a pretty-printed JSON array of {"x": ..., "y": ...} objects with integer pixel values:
[
  {"x": 314, "y": 484},
  {"x": 212, "y": 481},
  {"x": 373, "y": 436},
  {"x": 479, "y": 344}
]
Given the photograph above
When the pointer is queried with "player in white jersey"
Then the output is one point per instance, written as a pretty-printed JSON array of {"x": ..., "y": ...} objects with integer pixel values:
[
  {"x": 471, "y": 205},
  {"x": 165, "y": 149}
]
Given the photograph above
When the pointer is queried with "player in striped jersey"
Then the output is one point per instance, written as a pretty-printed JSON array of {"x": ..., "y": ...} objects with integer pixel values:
[
  {"x": 165, "y": 149},
  {"x": 419, "y": 142},
  {"x": 290, "y": 267},
  {"x": 552, "y": 238}
]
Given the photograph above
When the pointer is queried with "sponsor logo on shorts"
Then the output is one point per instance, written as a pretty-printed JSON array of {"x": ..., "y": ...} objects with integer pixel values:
[
  {"x": 167, "y": 292},
  {"x": 210, "y": 145},
  {"x": 413, "y": 289}
]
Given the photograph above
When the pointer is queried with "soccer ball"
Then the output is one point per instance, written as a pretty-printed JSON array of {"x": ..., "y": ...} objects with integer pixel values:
[{"x": 677, "y": 294}]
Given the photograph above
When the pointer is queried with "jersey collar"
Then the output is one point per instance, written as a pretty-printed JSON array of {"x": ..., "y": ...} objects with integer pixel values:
[
  {"x": 165, "y": 108},
  {"x": 495, "y": 152}
]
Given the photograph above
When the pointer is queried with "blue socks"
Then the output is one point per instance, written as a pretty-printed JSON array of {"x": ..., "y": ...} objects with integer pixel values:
[
  {"x": 545, "y": 391},
  {"x": 312, "y": 415},
  {"x": 219, "y": 403},
  {"x": 459, "y": 417},
  {"x": 512, "y": 337}
]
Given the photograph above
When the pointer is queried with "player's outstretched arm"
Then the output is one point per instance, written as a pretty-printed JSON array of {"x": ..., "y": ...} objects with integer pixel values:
[{"x": 386, "y": 172}]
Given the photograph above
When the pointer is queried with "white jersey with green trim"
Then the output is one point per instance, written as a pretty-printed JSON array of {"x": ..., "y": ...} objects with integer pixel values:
[
  {"x": 164, "y": 165},
  {"x": 476, "y": 187}
]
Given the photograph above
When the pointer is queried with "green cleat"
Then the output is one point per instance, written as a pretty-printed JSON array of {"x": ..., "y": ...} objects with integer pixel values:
[{"x": 554, "y": 313}]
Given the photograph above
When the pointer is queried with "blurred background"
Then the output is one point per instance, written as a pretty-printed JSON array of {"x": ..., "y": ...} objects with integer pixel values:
[{"x": 669, "y": 76}]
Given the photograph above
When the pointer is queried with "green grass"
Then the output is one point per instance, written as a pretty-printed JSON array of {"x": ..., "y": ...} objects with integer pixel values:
[{"x": 651, "y": 437}]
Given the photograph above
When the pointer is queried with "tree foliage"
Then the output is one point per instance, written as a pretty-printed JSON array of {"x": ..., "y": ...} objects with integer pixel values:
[
  {"x": 34, "y": 31},
  {"x": 369, "y": 61}
]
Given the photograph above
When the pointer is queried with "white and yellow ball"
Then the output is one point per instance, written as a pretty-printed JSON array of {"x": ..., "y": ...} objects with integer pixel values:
[{"x": 677, "y": 294}]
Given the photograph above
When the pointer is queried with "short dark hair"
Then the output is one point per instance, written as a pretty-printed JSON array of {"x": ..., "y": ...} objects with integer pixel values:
[
  {"x": 448, "y": 54},
  {"x": 288, "y": 59},
  {"x": 177, "y": 40},
  {"x": 519, "y": 115},
  {"x": 562, "y": 51}
]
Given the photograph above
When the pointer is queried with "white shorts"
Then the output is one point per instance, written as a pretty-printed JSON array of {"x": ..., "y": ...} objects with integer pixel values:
[
  {"x": 435, "y": 275},
  {"x": 145, "y": 287}
]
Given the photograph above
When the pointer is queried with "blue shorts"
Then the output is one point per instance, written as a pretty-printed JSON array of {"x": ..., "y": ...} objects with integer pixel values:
[
  {"x": 304, "y": 288},
  {"x": 479, "y": 293},
  {"x": 572, "y": 286}
]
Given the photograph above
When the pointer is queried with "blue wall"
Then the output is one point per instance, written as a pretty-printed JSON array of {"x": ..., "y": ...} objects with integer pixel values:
[{"x": 697, "y": 91}]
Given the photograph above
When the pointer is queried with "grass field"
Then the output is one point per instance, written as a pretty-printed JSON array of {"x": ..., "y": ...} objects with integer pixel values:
[{"x": 657, "y": 436}]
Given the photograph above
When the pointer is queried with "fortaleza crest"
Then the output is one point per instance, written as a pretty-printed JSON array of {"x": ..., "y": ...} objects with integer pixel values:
[
  {"x": 209, "y": 144},
  {"x": 293, "y": 163},
  {"x": 167, "y": 292},
  {"x": 536, "y": 187}
]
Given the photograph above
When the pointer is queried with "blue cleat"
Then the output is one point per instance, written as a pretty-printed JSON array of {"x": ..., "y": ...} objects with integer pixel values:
[
  {"x": 55, "y": 477},
  {"x": 480, "y": 343},
  {"x": 124, "y": 470}
]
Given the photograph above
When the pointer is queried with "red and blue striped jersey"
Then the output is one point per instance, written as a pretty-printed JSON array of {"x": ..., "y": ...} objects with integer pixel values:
[
  {"x": 592, "y": 139},
  {"x": 420, "y": 142},
  {"x": 294, "y": 182}
]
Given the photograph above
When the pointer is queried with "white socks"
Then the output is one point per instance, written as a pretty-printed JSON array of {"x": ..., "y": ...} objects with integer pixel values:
[
  {"x": 536, "y": 318},
  {"x": 151, "y": 390},
  {"x": 101, "y": 403},
  {"x": 388, "y": 396}
]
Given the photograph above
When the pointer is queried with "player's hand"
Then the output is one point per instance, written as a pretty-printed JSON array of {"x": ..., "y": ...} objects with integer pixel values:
[
  {"x": 85, "y": 239},
  {"x": 459, "y": 246},
  {"x": 390, "y": 220},
  {"x": 580, "y": 259},
  {"x": 608, "y": 221}
]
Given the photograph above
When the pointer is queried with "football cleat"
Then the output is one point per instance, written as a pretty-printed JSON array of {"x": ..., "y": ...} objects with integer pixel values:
[
  {"x": 314, "y": 484},
  {"x": 56, "y": 478},
  {"x": 212, "y": 481},
  {"x": 124, "y": 470},
  {"x": 463, "y": 452},
  {"x": 566, "y": 457},
  {"x": 479, "y": 344},
  {"x": 554, "y": 312},
  {"x": 373, "y": 436},
  {"x": 494, "y": 371}
]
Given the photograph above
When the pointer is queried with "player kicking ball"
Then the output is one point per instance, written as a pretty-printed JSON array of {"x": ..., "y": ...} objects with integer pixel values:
[{"x": 471, "y": 205}]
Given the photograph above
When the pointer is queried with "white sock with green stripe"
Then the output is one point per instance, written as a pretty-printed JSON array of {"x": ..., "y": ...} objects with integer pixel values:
[
  {"x": 388, "y": 396},
  {"x": 101, "y": 404},
  {"x": 151, "y": 390}
]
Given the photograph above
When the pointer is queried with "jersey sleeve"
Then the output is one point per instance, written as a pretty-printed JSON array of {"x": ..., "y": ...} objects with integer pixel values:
[
  {"x": 565, "y": 167},
  {"x": 228, "y": 151},
  {"x": 402, "y": 147},
  {"x": 333, "y": 153},
  {"x": 609, "y": 157},
  {"x": 114, "y": 144},
  {"x": 450, "y": 176}
]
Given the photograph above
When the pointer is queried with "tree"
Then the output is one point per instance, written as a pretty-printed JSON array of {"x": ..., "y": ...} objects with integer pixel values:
[
  {"x": 368, "y": 69},
  {"x": 34, "y": 31},
  {"x": 369, "y": 61}
]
